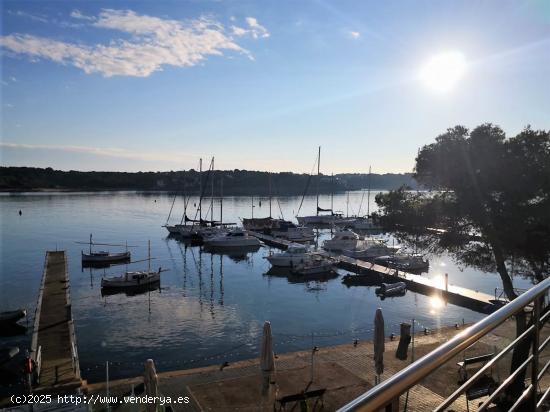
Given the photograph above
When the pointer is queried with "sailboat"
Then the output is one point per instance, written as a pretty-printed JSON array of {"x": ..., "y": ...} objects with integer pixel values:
[
  {"x": 176, "y": 229},
  {"x": 134, "y": 279},
  {"x": 102, "y": 256},
  {"x": 321, "y": 219},
  {"x": 366, "y": 223}
]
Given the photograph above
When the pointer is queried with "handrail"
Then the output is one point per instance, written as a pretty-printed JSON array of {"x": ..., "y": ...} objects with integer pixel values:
[{"x": 382, "y": 394}]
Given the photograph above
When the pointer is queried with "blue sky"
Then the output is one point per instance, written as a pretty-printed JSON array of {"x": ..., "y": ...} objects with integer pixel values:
[{"x": 259, "y": 85}]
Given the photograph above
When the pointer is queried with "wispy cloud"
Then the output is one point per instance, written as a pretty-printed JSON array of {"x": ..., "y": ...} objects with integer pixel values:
[
  {"x": 103, "y": 151},
  {"x": 155, "y": 42},
  {"x": 354, "y": 34},
  {"x": 35, "y": 17},
  {"x": 255, "y": 29}
]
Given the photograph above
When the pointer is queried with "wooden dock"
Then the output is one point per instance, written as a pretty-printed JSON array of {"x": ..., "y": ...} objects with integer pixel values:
[
  {"x": 371, "y": 274},
  {"x": 53, "y": 346}
]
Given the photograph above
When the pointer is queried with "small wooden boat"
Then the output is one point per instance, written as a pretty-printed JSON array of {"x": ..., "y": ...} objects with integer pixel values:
[
  {"x": 104, "y": 257},
  {"x": 132, "y": 279},
  {"x": 12, "y": 316},
  {"x": 392, "y": 289}
]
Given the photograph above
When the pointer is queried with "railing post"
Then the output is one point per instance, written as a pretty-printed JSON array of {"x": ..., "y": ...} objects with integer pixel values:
[{"x": 535, "y": 364}]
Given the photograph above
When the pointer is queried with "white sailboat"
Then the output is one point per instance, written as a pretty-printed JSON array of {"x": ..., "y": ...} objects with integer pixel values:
[
  {"x": 102, "y": 256},
  {"x": 320, "y": 219}
]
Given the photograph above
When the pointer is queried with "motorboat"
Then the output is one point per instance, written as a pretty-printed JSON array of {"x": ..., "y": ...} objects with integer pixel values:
[
  {"x": 343, "y": 240},
  {"x": 392, "y": 289},
  {"x": 369, "y": 248},
  {"x": 314, "y": 267},
  {"x": 361, "y": 223},
  {"x": 406, "y": 262},
  {"x": 132, "y": 279},
  {"x": 290, "y": 231},
  {"x": 12, "y": 316},
  {"x": 294, "y": 255},
  {"x": 232, "y": 239}
]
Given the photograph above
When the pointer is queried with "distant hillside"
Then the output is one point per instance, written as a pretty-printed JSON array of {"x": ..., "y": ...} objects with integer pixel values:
[{"x": 235, "y": 182}]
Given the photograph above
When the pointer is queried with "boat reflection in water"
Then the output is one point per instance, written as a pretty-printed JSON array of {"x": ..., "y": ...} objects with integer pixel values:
[
  {"x": 131, "y": 290},
  {"x": 292, "y": 277},
  {"x": 237, "y": 254}
]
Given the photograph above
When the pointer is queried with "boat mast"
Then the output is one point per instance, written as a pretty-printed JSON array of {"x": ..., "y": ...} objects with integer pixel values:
[
  {"x": 318, "y": 177},
  {"x": 332, "y": 194},
  {"x": 368, "y": 195},
  {"x": 252, "y": 206},
  {"x": 221, "y": 199},
  {"x": 347, "y": 205},
  {"x": 212, "y": 195},
  {"x": 200, "y": 190},
  {"x": 269, "y": 174},
  {"x": 90, "y": 243},
  {"x": 149, "y": 256}
]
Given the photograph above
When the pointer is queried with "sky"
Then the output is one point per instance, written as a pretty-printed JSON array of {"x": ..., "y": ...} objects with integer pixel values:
[{"x": 155, "y": 85}]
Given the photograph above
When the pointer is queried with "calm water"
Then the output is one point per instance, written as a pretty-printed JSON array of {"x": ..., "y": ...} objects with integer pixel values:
[{"x": 210, "y": 308}]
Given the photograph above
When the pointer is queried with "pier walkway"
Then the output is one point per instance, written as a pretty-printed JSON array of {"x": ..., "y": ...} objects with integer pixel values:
[
  {"x": 53, "y": 346},
  {"x": 371, "y": 274}
]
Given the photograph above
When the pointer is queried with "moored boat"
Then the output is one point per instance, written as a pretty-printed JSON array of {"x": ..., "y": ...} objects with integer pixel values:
[
  {"x": 314, "y": 267},
  {"x": 105, "y": 257},
  {"x": 343, "y": 240},
  {"x": 233, "y": 239},
  {"x": 132, "y": 279},
  {"x": 12, "y": 316},
  {"x": 392, "y": 289},
  {"x": 368, "y": 249},
  {"x": 294, "y": 255},
  {"x": 406, "y": 262}
]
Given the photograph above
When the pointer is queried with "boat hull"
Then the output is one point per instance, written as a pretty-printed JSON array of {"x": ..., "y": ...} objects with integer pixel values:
[
  {"x": 131, "y": 279},
  {"x": 110, "y": 258}
]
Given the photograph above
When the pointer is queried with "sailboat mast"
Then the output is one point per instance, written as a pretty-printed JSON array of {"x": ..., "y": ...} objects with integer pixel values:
[
  {"x": 318, "y": 178},
  {"x": 212, "y": 194},
  {"x": 149, "y": 255},
  {"x": 90, "y": 243},
  {"x": 368, "y": 194},
  {"x": 252, "y": 206},
  {"x": 269, "y": 195},
  {"x": 221, "y": 199},
  {"x": 332, "y": 194},
  {"x": 200, "y": 189}
]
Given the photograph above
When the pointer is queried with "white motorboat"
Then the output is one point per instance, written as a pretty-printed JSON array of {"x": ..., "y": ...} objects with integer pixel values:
[
  {"x": 369, "y": 248},
  {"x": 294, "y": 255},
  {"x": 343, "y": 240},
  {"x": 392, "y": 289},
  {"x": 290, "y": 231},
  {"x": 132, "y": 279},
  {"x": 233, "y": 239}
]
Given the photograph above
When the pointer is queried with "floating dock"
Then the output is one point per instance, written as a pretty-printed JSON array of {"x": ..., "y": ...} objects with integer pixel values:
[
  {"x": 370, "y": 274},
  {"x": 53, "y": 346}
]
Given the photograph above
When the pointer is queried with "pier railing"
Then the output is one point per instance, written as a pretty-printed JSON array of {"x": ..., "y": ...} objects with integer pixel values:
[{"x": 533, "y": 301}]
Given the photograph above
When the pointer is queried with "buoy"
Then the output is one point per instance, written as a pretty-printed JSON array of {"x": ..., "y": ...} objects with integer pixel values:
[{"x": 20, "y": 212}]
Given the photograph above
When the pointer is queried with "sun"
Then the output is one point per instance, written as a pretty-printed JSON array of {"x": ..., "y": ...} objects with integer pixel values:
[{"x": 443, "y": 71}]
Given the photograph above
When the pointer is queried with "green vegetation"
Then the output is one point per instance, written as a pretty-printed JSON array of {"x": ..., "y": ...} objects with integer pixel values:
[
  {"x": 490, "y": 208},
  {"x": 235, "y": 182}
]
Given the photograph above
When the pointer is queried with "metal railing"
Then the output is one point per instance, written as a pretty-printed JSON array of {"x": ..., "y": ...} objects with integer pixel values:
[{"x": 382, "y": 394}]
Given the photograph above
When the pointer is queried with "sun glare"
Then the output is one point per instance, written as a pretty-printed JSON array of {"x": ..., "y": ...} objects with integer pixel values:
[{"x": 443, "y": 71}]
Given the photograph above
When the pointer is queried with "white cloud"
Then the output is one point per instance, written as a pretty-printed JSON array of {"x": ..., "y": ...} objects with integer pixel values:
[
  {"x": 8, "y": 105},
  {"x": 34, "y": 17},
  {"x": 354, "y": 34},
  {"x": 155, "y": 42},
  {"x": 101, "y": 151},
  {"x": 76, "y": 14},
  {"x": 255, "y": 29},
  {"x": 13, "y": 79}
]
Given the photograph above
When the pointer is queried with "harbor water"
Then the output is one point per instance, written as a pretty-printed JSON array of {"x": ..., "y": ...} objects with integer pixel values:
[{"x": 210, "y": 307}]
